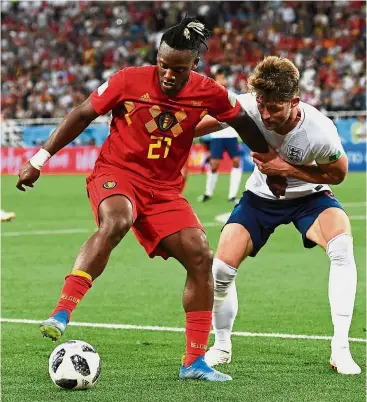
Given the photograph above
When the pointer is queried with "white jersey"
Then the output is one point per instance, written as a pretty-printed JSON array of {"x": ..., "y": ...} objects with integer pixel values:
[
  {"x": 314, "y": 140},
  {"x": 227, "y": 132}
]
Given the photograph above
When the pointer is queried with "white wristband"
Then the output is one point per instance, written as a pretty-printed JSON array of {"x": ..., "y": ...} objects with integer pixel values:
[{"x": 40, "y": 158}]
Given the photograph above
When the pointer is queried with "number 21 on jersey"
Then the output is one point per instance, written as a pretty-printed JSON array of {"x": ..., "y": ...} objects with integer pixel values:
[{"x": 157, "y": 144}]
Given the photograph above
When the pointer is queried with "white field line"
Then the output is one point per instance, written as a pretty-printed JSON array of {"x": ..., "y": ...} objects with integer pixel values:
[{"x": 175, "y": 329}]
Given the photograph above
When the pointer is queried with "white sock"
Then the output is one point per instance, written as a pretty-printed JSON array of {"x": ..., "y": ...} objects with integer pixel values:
[
  {"x": 225, "y": 303},
  {"x": 234, "y": 182},
  {"x": 342, "y": 286},
  {"x": 211, "y": 181},
  {"x": 225, "y": 313}
]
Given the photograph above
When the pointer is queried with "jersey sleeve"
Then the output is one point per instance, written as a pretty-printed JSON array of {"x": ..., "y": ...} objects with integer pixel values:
[
  {"x": 109, "y": 94},
  {"x": 224, "y": 105},
  {"x": 328, "y": 147}
]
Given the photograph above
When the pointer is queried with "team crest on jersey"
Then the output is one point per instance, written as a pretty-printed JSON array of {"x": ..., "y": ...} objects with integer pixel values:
[
  {"x": 109, "y": 185},
  {"x": 294, "y": 154},
  {"x": 166, "y": 120}
]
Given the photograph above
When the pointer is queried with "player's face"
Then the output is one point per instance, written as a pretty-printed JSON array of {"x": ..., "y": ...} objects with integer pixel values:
[
  {"x": 275, "y": 114},
  {"x": 174, "y": 67}
]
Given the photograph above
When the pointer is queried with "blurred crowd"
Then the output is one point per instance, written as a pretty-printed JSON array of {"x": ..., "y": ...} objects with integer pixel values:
[{"x": 55, "y": 53}]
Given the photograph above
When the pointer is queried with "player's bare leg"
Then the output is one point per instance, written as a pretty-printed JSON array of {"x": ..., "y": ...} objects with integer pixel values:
[
  {"x": 190, "y": 248},
  {"x": 332, "y": 231},
  {"x": 211, "y": 180},
  {"x": 235, "y": 245},
  {"x": 234, "y": 180},
  {"x": 116, "y": 218}
]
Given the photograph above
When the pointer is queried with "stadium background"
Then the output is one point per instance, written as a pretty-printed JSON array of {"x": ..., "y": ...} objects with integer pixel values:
[{"x": 54, "y": 53}]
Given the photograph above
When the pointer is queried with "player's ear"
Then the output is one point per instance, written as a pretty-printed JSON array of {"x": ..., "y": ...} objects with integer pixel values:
[
  {"x": 295, "y": 101},
  {"x": 195, "y": 65}
]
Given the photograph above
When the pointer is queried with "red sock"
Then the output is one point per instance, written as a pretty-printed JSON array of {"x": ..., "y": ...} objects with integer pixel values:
[
  {"x": 198, "y": 324},
  {"x": 75, "y": 287}
]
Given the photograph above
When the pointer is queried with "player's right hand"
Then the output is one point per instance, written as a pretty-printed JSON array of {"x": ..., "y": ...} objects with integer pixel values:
[
  {"x": 277, "y": 185},
  {"x": 27, "y": 176}
]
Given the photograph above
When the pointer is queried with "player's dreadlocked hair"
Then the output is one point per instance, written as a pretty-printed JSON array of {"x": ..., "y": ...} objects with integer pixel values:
[
  {"x": 275, "y": 78},
  {"x": 189, "y": 34}
]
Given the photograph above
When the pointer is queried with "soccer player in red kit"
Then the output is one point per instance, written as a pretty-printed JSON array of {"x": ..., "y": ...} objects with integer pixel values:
[{"x": 136, "y": 179}]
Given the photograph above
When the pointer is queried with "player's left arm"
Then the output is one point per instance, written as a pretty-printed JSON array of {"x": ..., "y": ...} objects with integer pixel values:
[
  {"x": 249, "y": 132},
  {"x": 322, "y": 173},
  {"x": 208, "y": 125},
  {"x": 242, "y": 123},
  {"x": 225, "y": 107}
]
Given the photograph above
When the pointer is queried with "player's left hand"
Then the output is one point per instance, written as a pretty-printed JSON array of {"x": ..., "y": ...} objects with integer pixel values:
[{"x": 270, "y": 163}]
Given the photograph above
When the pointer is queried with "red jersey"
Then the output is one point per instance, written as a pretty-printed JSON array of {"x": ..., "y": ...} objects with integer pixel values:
[{"x": 151, "y": 133}]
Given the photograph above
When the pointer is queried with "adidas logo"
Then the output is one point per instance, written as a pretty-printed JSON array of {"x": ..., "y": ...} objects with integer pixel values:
[{"x": 145, "y": 96}]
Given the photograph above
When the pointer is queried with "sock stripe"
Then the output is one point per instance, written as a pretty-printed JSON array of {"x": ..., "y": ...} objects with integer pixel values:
[{"x": 78, "y": 272}]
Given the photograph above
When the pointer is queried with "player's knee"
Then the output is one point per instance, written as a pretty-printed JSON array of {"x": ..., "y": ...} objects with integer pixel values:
[
  {"x": 236, "y": 163},
  {"x": 114, "y": 230},
  {"x": 214, "y": 165},
  {"x": 201, "y": 259},
  {"x": 340, "y": 249}
]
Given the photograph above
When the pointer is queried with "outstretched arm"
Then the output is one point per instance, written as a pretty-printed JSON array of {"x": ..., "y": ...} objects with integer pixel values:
[
  {"x": 252, "y": 137},
  {"x": 207, "y": 125},
  {"x": 242, "y": 123},
  {"x": 249, "y": 132},
  {"x": 70, "y": 128}
]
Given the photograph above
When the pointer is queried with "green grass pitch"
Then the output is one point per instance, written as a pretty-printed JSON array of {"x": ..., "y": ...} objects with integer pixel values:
[{"x": 283, "y": 290}]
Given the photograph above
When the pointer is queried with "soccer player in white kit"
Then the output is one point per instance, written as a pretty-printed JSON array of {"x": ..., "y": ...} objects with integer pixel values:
[{"x": 307, "y": 150}]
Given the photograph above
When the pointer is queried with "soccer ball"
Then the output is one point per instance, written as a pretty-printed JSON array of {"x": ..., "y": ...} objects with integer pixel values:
[{"x": 74, "y": 365}]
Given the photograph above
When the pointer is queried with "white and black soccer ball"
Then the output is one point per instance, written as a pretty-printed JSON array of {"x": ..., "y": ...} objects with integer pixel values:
[{"x": 74, "y": 365}]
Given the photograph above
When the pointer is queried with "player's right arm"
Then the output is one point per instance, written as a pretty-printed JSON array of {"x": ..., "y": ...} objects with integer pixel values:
[
  {"x": 70, "y": 128},
  {"x": 100, "y": 102}
]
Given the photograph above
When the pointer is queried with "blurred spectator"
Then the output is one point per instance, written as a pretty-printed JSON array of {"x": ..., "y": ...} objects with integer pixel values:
[{"x": 54, "y": 53}]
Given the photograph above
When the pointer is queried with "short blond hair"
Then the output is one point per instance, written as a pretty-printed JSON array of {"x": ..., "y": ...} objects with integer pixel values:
[{"x": 275, "y": 78}]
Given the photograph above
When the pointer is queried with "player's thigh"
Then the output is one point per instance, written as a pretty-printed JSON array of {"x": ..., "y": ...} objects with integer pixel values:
[
  {"x": 330, "y": 223},
  {"x": 232, "y": 147},
  {"x": 161, "y": 229},
  {"x": 216, "y": 148},
  {"x": 116, "y": 210},
  {"x": 113, "y": 199},
  {"x": 235, "y": 244},
  {"x": 214, "y": 164}
]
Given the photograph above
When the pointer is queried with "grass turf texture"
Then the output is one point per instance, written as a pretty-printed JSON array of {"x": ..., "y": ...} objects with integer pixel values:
[{"x": 282, "y": 290}]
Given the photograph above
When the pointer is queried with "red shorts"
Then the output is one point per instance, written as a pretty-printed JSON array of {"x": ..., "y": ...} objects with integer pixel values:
[{"x": 157, "y": 212}]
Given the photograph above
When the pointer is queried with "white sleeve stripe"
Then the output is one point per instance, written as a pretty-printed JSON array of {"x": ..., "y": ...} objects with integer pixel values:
[{"x": 102, "y": 88}]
